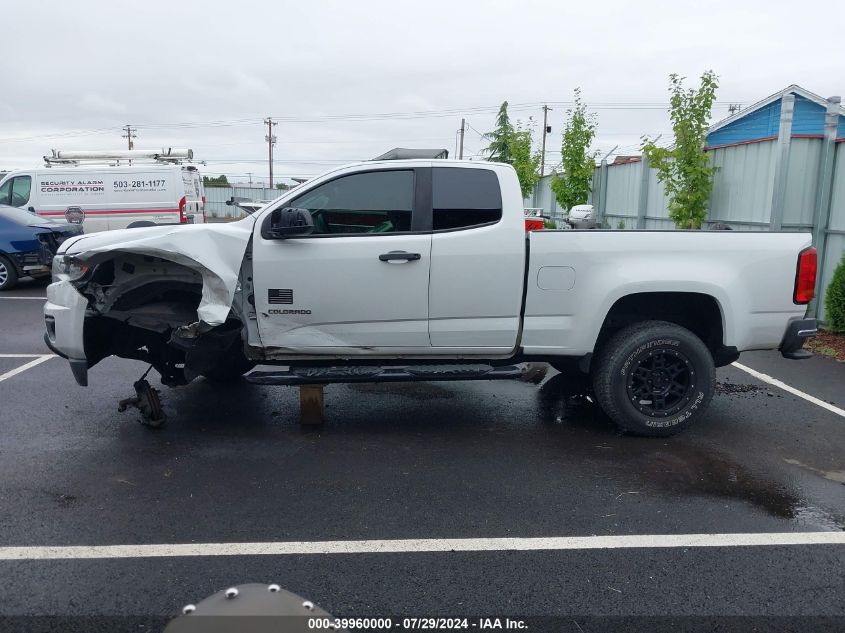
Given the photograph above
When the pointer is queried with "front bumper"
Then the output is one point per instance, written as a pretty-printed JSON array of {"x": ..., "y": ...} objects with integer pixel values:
[
  {"x": 64, "y": 316},
  {"x": 37, "y": 271},
  {"x": 793, "y": 340},
  {"x": 32, "y": 262}
]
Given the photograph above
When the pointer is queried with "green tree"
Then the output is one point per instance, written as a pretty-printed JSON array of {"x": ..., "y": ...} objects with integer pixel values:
[
  {"x": 524, "y": 161},
  {"x": 834, "y": 299},
  {"x": 573, "y": 183},
  {"x": 512, "y": 144},
  {"x": 685, "y": 168},
  {"x": 219, "y": 181},
  {"x": 283, "y": 186},
  {"x": 499, "y": 150}
]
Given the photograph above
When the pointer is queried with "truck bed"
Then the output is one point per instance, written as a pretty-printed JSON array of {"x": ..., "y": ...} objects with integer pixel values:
[{"x": 575, "y": 277}]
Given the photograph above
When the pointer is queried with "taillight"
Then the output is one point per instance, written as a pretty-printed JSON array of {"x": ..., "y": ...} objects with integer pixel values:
[
  {"x": 204, "y": 218},
  {"x": 534, "y": 224},
  {"x": 805, "y": 276},
  {"x": 183, "y": 219}
]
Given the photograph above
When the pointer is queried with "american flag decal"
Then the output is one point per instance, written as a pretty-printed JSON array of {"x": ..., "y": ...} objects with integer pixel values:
[{"x": 280, "y": 296}]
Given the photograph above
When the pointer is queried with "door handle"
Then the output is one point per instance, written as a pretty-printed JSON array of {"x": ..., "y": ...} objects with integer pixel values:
[{"x": 399, "y": 256}]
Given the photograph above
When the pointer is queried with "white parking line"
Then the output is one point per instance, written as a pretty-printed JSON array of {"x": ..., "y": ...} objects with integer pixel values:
[
  {"x": 282, "y": 548},
  {"x": 33, "y": 298},
  {"x": 795, "y": 392},
  {"x": 37, "y": 360}
]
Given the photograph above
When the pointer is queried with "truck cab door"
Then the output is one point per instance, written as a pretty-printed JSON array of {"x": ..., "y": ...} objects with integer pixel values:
[
  {"x": 477, "y": 260},
  {"x": 359, "y": 282}
]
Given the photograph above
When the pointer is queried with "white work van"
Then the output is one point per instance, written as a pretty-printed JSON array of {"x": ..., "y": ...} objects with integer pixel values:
[{"x": 103, "y": 197}]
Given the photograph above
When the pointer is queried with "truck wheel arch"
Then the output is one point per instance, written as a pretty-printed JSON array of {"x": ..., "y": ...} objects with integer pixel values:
[
  {"x": 701, "y": 313},
  {"x": 142, "y": 302}
]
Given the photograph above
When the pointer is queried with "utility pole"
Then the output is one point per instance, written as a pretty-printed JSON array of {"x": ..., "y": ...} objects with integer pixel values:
[
  {"x": 271, "y": 141},
  {"x": 546, "y": 130},
  {"x": 249, "y": 173},
  {"x": 130, "y": 134},
  {"x": 461, "y": 152}
]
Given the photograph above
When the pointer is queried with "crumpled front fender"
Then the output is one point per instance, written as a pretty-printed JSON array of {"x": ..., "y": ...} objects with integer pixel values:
[{"x": 216, "y": 251}]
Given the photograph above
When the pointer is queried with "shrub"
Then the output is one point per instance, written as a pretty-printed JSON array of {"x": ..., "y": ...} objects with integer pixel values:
[
  {"x": 621, "y": 225},
  {"x": 549, "y": 224},
  {"x": 834, "y": 300}
]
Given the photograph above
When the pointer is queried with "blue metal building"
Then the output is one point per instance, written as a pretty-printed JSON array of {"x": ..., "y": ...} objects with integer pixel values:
[{"x": 761, "y": 121}]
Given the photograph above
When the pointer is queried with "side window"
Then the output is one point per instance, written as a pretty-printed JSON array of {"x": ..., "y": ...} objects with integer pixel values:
[
  {"x": 6, "y": 192},
  {"x": 372, "y": 202},
  {"x": 463, "y": 198},
  {"x": 21, "y": 186}
]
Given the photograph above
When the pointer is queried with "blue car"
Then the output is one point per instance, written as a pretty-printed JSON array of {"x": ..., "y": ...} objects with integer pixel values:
[{"x": 28, "y": 243}]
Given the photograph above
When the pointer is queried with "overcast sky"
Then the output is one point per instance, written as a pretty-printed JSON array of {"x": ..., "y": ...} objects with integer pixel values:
[{"x": 204, "y": 74}]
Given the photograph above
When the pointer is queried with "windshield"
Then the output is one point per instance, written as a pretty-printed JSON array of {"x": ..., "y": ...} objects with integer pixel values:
[{"x": 22, "y": 217}]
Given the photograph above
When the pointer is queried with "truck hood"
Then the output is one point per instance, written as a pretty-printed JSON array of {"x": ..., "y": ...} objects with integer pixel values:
[{"x": 214, "y": 250}]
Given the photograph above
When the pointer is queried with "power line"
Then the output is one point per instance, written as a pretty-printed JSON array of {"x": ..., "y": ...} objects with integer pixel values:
[
  {"x": 105, "y": 130},
  {"x": 418, "y": 114},
  {"x": 364, "y": 117},
  {"x": 480, "y": 135}
]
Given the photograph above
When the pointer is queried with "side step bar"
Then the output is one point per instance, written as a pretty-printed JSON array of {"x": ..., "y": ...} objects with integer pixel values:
[{"x": 359, "y": 373}]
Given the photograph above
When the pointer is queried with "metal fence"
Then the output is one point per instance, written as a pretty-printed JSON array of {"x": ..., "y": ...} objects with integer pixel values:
[
  {"x": 216, "y": 197},
  {"x": 758, "y": 187}
]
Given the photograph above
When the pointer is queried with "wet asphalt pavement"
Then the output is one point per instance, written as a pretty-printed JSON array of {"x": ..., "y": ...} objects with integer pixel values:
[{"x": 418, "y": 460}]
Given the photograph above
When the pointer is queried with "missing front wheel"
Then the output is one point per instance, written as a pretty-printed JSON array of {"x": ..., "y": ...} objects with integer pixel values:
[{"x": 147, "y": 402}]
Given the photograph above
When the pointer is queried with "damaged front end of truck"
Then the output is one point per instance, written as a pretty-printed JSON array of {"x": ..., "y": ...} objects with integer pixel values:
[{"x": 177, "y": 298}]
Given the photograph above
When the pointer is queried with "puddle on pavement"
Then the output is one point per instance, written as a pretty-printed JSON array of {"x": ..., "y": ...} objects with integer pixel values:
[
  {"x": 674, "y": 466},
  {"x": 579, "y": 432},
  {"x": 682, "y": 469}
]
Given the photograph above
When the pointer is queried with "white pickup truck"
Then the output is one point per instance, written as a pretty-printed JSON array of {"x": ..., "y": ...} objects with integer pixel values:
[{"x": 422, "y": 270}]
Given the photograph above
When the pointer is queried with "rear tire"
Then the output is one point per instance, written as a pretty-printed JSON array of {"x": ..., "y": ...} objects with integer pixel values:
[
  {"x": 8, "y": 274},
  {"x": 654, "y": 378}
]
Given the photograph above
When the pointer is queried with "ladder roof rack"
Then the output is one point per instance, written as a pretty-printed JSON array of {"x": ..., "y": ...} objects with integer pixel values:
[{"x": 167, "y": 155}]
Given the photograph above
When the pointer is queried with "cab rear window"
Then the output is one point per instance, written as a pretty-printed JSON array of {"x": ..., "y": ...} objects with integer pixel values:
[{"x": 465, "y": 198}]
